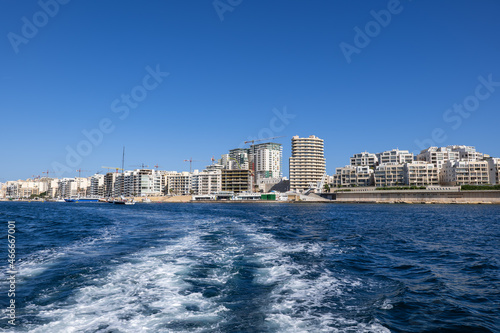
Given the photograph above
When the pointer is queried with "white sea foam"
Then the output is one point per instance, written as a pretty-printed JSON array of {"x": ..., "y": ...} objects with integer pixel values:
[
  {"x": 158, "y": 289},
  {"x": 39, "y": 261},
  {"x": 147, "y": 293},
  {"x": 302, "y": 291}
]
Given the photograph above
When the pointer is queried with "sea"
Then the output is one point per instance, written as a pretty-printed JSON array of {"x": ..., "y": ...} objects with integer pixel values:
[{"x": 236, "y": 267}]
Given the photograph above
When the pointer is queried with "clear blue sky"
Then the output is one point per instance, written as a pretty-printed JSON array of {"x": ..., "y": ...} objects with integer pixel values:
[{"x": 227, "y": 76}]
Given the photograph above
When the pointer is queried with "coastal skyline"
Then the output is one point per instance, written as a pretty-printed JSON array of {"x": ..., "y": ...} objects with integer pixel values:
[{"x": 173, "y": 81}]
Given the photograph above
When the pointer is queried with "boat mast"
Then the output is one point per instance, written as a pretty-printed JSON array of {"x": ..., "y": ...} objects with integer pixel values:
[{"x": 122, "y": 188}]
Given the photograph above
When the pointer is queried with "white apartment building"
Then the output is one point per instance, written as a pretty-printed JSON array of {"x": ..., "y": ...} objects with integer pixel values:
[
  {"x": 389, "y": 174},
  {"x": 226, "y": 162},
  {"x": 494, "y": 171},
  {"x": 118, "y": 185},
  {"x": 351, "y": 176},
  {"x": 265, "y": 160},
  {"x": 363, "y": 159},
  {"x": 144, "y": 182},
  {"x": 465, "y": 173},
  {"x": 96, "y": 188},
  {"x": 395, "y": 156},
  {"x": 110, "y": 190},
  {"x": 178, "y": 183},
  {"x": 206, "y": 182},
  {"x": 421, "y": 174},
  {"x": 266, "y": 184},
  {"x": 24, "y": 188},
  {"x": 307, "y": 163},
  {"x": 438, "y": 156},
  {"x": 240, "y": 158},
  {"x": 467, "y": 153},
  {"x": 53, "y": 187},
  {"x": 68, "y": 187},
  {"x": 10, "y": 189}
]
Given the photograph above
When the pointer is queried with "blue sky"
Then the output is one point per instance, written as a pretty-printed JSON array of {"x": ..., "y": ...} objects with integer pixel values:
[{"x": 229, "y": 79}]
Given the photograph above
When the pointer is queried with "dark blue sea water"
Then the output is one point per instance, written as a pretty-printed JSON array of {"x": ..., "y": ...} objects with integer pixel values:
[{"x": 253, "y": 268}]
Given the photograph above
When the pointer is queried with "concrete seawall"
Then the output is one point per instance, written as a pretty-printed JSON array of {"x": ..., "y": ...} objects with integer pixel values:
[{"x": 419, "y": 196}]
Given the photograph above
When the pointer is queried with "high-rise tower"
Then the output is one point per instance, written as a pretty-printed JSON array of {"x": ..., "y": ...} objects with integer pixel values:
[{"x": 307, "y": 163}]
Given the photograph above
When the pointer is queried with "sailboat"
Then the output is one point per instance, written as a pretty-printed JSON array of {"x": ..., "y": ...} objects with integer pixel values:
[{"x": 122, "y": 200}]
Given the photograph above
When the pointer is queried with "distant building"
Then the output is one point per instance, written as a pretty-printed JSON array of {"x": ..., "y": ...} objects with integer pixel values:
[
  {"x": 467, "y": 153},
  {"x": 389, "y": 174},
  {"x": 68, "y": 187},
  {"x": 206, "y": 182},
  {"x": 307, "y": 163},
  {"x": 178, "y": 183},
  {"x": 144, "y": 182},
  {"x": 421, "y": 174},
  {"x": 494, "y": 171},
  {"x": 363, "y": 159},
  {"x": 10, "y": 189},
  {"x": 465, "y": 173},
  {"x": 240, "y": 156},
  {"x": 395, "y": 156},
  {"x": 97, "y": 185},
  {"x": 351, "y": 176},
  {"x": 109, "y": 184},
  {"x": 438, "y": 156},
  {"x": 236, "y": 181},
  {"x": 53, "y": 187},
  {"x": 265, "y": 161}
]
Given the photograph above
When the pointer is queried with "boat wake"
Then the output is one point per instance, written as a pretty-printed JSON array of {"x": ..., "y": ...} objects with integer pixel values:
[{"x": 218, "y": 277}]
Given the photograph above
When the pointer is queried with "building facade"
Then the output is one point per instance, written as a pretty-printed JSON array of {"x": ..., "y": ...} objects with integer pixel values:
[
  {"x": 364, "y": 159},
  {"x": 466, "y": 153},
  {"x": 352, "y": 176},
  {"x": 421, "y": 174},
  {"x": 307, "y": 163},
  {"x": 438, "y": 156},
  {"x": 206, "y": 182},
  {"x": 494, "y": 170},
  {"x": 97, "y": 185},
  {"x": 236, "y": 181},
  {"x": 395, "y": 156},
  {"x": 178, "y": 183},
  {"x": 265, "y": 161},
  {"x": 389, "y": 174},
  {"x": 465, "y": 173}
]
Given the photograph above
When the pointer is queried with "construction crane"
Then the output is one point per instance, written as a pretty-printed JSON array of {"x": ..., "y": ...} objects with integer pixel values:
[
  {"x": 46, "y": 180},
  {"x": 142, "y": 166},
  {"x": 79, "y": 179},
  {"x": 265, "y": 139},
  {"x": 80, "y": 172},
  {"x": 47, "y": 173},
  {"x": 191, "y": 162},
  {"x": 110, "y": 168}
]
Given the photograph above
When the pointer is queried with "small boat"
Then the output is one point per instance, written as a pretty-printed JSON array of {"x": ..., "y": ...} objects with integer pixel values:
[
  {"x": 124, "y": 201},
  {"x": 81, "y": 199}
]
